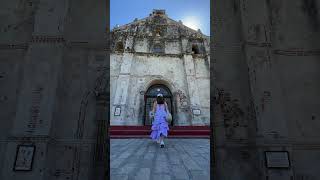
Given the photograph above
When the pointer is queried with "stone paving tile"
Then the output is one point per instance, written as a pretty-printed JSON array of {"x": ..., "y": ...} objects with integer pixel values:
[
  {"x": 161, "y": 177},
  {"x": 143, "y": 159},
  {"x": 115, "y": 163},
  {"x": 143, "y": 174},
  {"x": 119, "y": 177},
  {"x": 126, "y": 169},
  {"x": 200, "y": 175},
  {"x": 179, "y": 172}
]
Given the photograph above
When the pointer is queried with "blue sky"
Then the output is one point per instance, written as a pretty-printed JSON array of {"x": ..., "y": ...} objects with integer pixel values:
[{"x": 193, "y": 13}]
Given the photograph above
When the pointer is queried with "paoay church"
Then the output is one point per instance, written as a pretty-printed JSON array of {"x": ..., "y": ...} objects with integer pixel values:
[
  {"x": 54, "y": 93},
  {"x": 156, "y": 55}
]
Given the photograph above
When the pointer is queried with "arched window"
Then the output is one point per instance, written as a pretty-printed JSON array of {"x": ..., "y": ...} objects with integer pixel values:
[
  {"x": 195, "y": 49},
  {"x": 119, "y": 47},
  {"x": 154, "y": 90}
]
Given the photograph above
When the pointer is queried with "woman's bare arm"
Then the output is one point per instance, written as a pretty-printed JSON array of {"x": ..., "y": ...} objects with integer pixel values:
[{"x": 165, "y": 103}]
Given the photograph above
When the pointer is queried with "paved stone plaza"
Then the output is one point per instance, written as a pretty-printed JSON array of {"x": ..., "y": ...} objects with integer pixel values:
[{"x": 143, "y": 159}]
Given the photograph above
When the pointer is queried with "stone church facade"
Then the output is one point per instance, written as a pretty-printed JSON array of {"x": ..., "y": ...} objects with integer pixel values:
[
  {"x": 54, "y": 86},
  {"x": 159, "y": 55}
]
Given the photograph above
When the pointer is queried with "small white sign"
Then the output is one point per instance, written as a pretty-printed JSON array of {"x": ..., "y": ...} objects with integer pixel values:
[
  {"x": 196, "y": 111},
  {"x": 277, "y": 159},
  {"x": 117, "y": 111},
  {"x": 24, "y": 158}
]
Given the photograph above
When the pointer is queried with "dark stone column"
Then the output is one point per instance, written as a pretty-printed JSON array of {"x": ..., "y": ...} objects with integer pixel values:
[{"x": 101, "y": 156}]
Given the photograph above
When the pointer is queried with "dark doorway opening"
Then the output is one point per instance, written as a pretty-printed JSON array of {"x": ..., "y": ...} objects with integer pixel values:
[
  {"x": 151, "y": 96},
  {"x": 195, "y": 49}
]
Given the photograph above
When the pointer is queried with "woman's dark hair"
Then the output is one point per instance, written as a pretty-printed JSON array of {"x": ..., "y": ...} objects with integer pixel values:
[{"x": 160, "y": 100}]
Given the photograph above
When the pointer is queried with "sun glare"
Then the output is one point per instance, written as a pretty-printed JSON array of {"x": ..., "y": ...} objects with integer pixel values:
[{"x": 192, "y": 22}]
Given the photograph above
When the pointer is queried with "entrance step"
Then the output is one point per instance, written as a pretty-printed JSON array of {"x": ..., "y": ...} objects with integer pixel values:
[{"x": 174, "y": 131}]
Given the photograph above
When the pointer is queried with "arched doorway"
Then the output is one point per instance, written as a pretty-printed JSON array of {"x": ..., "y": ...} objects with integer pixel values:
[{"x": 151, "y": 96}]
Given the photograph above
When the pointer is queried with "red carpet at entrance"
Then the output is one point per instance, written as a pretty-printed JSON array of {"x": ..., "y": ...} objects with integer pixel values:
[{"x": 174, "y": 132}]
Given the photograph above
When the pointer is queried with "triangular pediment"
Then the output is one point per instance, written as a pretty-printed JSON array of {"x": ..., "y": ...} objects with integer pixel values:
[{"x": 158, "y": 24}]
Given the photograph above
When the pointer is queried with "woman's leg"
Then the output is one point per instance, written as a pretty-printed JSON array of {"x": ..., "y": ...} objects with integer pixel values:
[
  {"x": 161, "y": 141},
  {"x": 161, "y": 138}
]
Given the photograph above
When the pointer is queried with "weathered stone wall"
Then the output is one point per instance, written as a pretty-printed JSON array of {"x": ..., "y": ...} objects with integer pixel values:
[
  {"x": 159, "y": 49},
  {"x": 16, "y": 25},
  {"x": 17, "y": 20},
  {"x": 295, "y": 45},
  {"x": 170, "y": 70},
  {"x": 279, "y": 50},
  {"x": 86, "y": 21},
  {"x": 202, "y": 74},
  {"x": 75, "y": 113},
  {"x": 11, "y": 63},
  {"x": 172, "y": 47},
  {"x": 147, "y": 69},
  {"x": 234, "y": 127},
  {"x": 52, "y": 88},
  {"x": 141, "y": 45}
]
